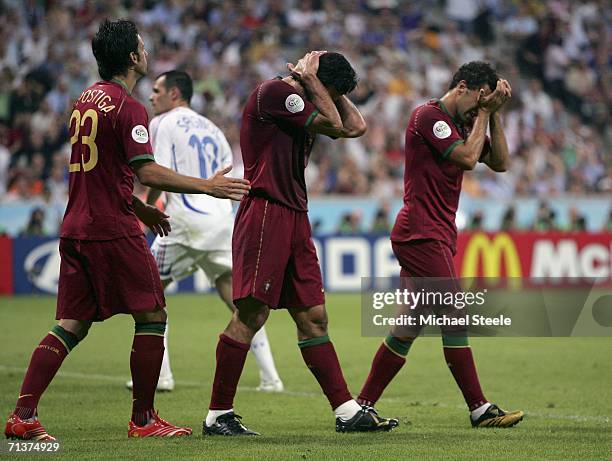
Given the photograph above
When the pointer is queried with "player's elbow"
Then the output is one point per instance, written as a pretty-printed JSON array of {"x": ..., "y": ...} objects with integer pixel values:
[
  {"x": 468, "y": 164},
  {"x": 353, "y": 132},
  {"x": 360, "y": 130},
  {"x": 502, "y": 167}
]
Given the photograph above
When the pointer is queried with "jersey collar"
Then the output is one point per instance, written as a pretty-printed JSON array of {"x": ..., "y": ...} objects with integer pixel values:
[
  {"x": 456, "y": 120},
  {"x": 122, "y": 83}
]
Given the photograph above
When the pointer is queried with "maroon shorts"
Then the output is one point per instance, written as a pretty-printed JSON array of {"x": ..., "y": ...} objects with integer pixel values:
[
  {"x": 274, "y": 258},
  {"x": 99, "y": 279},
  {"x": 427, "y": 265},
  {"x": 424, "y": 258}
]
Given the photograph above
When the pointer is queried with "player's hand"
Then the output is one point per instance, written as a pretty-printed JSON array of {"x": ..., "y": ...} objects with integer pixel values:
[
  {"x": 155, "y": 219},
  {"x": 221, "y": 186},
  {"x": 501, "y": 94},
  {"x": 307, "y": 66}
]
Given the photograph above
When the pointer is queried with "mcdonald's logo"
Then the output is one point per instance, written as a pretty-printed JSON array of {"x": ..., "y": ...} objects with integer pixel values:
[{"x": 495, "y": 251}]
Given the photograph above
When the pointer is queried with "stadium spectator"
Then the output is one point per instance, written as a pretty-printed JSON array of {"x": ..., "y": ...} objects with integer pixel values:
[
  {"x": 577, "y": 221},
  {"x": 381, "y": 223},
  {"x": 350, "y": 223},
  {"x": 508, "y": 223},
  {"x": 35, "y": 227},
  {"x": 545, "y": 219},
  {"x": 475, "y": 224}
]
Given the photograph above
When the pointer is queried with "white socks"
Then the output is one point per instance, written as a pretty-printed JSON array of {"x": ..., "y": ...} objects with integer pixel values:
[
  {"x": 478, "y": 412},
  {"x": 211, "y": 417},
  {"x": 347, "y": 410},
  {"x": 260, "y": 347},
  {"x": 165, "y": 372}
]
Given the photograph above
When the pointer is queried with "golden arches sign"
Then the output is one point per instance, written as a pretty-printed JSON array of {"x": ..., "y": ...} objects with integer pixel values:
[{"x": 493, "y": 251}]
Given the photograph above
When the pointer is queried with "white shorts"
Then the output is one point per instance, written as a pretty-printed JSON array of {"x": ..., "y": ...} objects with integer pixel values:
[{"x": 176, "y": 261}]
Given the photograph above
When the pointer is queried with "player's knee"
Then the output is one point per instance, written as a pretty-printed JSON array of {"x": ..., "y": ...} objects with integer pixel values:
[
  {"x": 314, "y": 325},
  {"x": 78, "y": 328},
  {"x": 254, "y": 319},
  {"x": 158, "y": 316}
]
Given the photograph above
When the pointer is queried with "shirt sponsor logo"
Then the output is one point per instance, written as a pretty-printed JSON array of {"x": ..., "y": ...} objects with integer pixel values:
[
  {"x": 294, "y": 103},
  {"x": 140, "y": 134},
  {"x": 441, "y": 129}
]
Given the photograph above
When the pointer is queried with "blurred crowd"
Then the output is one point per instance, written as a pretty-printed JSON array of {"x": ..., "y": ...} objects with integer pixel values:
[
  {"x": 545, "y": 220},
  {"x": 554, "y": 53}
]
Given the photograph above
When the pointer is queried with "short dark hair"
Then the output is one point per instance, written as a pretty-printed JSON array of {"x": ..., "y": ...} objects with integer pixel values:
[
  {"x": 112, "y": 46},
  {"x": 335, "y": 70},
  {"x": 476, "y": 74},
  {"x": 180, "y": 80}
]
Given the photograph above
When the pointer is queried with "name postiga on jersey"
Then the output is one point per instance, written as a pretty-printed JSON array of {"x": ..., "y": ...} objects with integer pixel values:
[{"x": 99, "y": 98}]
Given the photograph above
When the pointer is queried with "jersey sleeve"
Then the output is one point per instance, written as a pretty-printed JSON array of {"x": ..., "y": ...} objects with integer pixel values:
[
  {"x": 438, "y": 129},
  {"x": 161, "y": 138},
  {"x": 132, "y": 123},
  {"x": 281, "y": 102}
]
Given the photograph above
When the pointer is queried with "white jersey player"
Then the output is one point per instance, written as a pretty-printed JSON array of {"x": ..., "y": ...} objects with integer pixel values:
[{"x": 189, "y": 143}]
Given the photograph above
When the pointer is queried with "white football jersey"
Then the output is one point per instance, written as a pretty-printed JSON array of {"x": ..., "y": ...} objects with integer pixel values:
[{"x": 192, "y": 145}]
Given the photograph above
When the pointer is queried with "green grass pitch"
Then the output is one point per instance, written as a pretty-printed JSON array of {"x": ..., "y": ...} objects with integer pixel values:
[{"x": 563, "y": 384}]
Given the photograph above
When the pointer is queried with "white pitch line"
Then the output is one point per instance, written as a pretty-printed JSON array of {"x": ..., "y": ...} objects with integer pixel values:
[{"x": 123, "y": 379}]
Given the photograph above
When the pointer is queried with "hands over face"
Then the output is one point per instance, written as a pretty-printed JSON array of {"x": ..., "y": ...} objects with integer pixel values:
[{"x": 495, "y": 100}]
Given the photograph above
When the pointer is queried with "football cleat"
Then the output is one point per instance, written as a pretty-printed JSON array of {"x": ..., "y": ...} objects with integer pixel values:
[
  {"x": 271, "y": 386},
  {"x": 163, "y": 384},
  {"x": 496, "y": 417},
  {"x": 29, "y": 429},
  {"x": 157, "y": 427},
  {"x": 366, "y": 420},
  {"x": 227, "y": 424}
]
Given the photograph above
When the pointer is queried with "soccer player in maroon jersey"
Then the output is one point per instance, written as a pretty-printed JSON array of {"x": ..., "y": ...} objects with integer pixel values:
[
  {"x": 274, "y": 259},
  {"x": 106, "y": 266},
  {"x": 444, "y": 137}
]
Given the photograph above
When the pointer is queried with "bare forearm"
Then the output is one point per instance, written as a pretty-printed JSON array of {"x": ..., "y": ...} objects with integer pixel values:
[
  {"x": 156, "y": 176},
  {"x": 466, "y": 155},
  {"x": 476, "y": 140},
  {"x": 153, "y": 195},
  {"x": 352, "y": 120},
  {"x": 320, "y": 97},
  {"x": 138, "y": 206},
  {"x": 499, "y": 157}
]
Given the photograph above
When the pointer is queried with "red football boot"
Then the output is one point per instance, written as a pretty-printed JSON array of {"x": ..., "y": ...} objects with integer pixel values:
[
  {"x": 30, "y": 429},
  {"x": 157, "y": 428}
]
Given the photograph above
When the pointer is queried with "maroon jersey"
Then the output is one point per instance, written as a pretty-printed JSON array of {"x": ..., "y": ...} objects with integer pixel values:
[
  {"x": 275, "y": 144},
  {"x": 432, "y": 183},
  {"x": 108, "y": 130}
]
